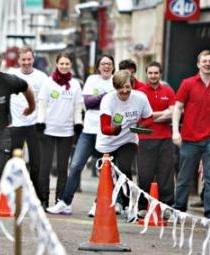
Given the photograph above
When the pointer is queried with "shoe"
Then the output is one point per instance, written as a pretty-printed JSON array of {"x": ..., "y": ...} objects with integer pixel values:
[
  {"x": 118, "y": 208},
  {"x": 197, "y": 204},
  {"x": 60, "y": 208},
  {"x": 92, "y": 210},
  {"x": 141, "y": 214},
  {"x": 167, "y": 214},
  {"x": 45, "y": 205}
]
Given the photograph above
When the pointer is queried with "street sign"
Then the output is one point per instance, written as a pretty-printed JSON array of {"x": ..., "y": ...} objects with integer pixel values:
[
  {"x": 182, "y": 9},
  {"x": 33, "y": 5}
]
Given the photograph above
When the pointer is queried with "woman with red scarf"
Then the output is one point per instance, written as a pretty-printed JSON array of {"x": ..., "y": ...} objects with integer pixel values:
[{"x": 59, "y": 117}]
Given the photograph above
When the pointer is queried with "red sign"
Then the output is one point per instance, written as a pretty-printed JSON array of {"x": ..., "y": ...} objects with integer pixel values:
[
  {"x": 182, "y": 9},
  {"x": 102, "y": 27},
  {"x": 58, "y": 4}
]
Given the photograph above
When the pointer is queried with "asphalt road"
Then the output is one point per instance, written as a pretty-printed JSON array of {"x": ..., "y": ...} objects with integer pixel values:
[{"x": 76, "y": 229}]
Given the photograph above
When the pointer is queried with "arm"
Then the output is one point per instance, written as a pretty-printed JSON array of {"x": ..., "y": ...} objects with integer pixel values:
[
  {"x": 163, "y": 116},
  {"x": 106, "y": 126},
  {"x": 92, "y": 102},
  {"x": 31, "y": 102},
  {"x": 41, "y": 110},
  {"x": 41, "y": 115},
  {"x": 176, "y": 136},
  {"x": 78, "y": 123},
  {"x": 78, "y": 113},
  {"x": 146, "y": 122}
]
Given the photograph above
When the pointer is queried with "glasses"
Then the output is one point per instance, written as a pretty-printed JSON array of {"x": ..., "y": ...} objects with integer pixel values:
[{"x": 104, "y": 63}]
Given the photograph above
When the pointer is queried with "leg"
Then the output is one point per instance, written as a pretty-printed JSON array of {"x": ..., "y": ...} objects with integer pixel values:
[
  {"x": 124, "y": 159},
  {"x": 47, "y": 145},
  {"x": 84, "y": 148},
  {"x": 190, "y": 155},
  {"x": 206, "y": 176},
  {"x": 5, "y": 147},
  {"x": 165, "y": 172},
  {"x": 147, "y": 164},
  {"x": 64, "y": 147},
  {"x": 18, "y": 137},
  {"x": 34, "y": 155}
]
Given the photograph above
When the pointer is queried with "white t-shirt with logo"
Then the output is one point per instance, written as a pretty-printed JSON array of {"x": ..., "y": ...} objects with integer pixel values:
[
  {"x": 18, "y": 102},
  {"x": 128, "y": 113},
  {"x": 61, "y": 105},
  {"x": 95, "y": 85}
]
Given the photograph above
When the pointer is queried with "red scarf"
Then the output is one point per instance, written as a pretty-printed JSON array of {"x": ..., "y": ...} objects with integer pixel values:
[{"x": 62, "y": 79}]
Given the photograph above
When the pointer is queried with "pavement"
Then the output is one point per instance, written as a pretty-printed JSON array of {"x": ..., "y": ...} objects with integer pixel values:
[{"x": 74, "y": 230}]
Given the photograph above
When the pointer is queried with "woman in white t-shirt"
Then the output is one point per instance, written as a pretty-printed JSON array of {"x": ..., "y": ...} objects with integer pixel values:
[
  {"x": 96, "y": 86},
  {"x": 59, "y": 117},
  {"x": 120, "y": 110}
]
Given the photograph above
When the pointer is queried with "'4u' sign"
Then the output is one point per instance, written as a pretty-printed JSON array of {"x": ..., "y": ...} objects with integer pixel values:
[{"x": 182, "y": 9}]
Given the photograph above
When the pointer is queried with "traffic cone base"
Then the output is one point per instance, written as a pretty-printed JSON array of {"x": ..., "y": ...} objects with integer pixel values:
[
  {"x": 152, "y": 222},
  {"x": 4, "y": 208},
  {"x": 88, "y": 246},
  {"x": 105, "y": 235},
  {"x": 160, "y": 222}
]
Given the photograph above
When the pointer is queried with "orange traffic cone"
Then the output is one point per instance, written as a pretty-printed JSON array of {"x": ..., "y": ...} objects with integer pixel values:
[
  {"x": 105, "y": 235},
  {"x": 4, "y": 208},
  {"x": 160, "y": 221}
]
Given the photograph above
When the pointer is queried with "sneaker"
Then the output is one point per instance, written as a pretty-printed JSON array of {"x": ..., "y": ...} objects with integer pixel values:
[
  {"x": 141, "y": 214},
  {"x": 167, "y": 214},
  {"x": 92, "y": 210},
  {"x": 45, "y": 205},
  {"x": 60, "y": 208},
  {"x": 118, "y": 208}
]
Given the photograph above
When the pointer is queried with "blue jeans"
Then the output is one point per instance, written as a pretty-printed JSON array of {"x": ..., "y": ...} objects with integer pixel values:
[
  {"x": 84, "y": 149},
  {"x": 190, "y": 155}
]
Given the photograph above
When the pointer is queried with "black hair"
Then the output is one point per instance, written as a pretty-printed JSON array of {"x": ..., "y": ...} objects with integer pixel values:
[
  {"x": 107, "y": 56},
  {"x": 64, "y": 54},
  {"x": 155, "y": 63},
  {"x": 127, "y": 64}
]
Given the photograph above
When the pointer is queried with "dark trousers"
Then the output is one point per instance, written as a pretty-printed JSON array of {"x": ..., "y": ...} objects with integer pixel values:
[
  {"x": 123, "y": 158},
  {"x": 156, "y": 163},
  {"x": 29, "y": 135},
  {"x": 63, "y": 150},
  {"x": 5, "y": 147}
]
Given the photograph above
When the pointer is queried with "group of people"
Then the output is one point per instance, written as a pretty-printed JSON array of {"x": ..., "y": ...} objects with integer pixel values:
[{"x": 47, "y": 113}]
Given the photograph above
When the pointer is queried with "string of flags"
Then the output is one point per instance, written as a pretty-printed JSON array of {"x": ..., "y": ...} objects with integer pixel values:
[
  {"x": 16, "y": 175},
  {"x": 121, "y": 182}
]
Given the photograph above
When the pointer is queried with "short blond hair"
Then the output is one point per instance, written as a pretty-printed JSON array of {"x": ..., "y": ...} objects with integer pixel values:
[
  {"x": 121, "y": 77},
  {"x": 25, "y": 49},
  {"x": 202, "y": 53}
]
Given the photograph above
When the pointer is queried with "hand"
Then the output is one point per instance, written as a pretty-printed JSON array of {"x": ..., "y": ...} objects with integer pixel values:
[
  {"x": 40, "y": 127},
  {"x": 28, "y": 111},
  {"x": 77, "y": 131},
  {"x": 117, "y": 129},
  {"x": 177, "y": 139}
]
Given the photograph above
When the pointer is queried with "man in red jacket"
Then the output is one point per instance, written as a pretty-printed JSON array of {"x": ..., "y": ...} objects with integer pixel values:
[{"x": 156, "y": 150}]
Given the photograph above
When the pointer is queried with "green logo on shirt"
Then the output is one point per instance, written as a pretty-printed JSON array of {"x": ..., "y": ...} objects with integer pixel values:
[
  {"x": 118, "y": 118},
  {"x": 95, "y": 92},
  {"x": 54, "y": 94}
]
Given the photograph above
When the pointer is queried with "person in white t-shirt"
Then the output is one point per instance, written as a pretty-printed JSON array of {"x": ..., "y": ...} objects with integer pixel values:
[
  {"x": 120, "y": 110},
  {"x": 96, "y": 86},
  {"x": 59, "y": 117},
  {"x": 23, "y": 127}
]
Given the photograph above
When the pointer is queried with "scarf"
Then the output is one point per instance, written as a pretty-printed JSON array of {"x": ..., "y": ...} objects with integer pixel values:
[{"x": 62, "y": 79}]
